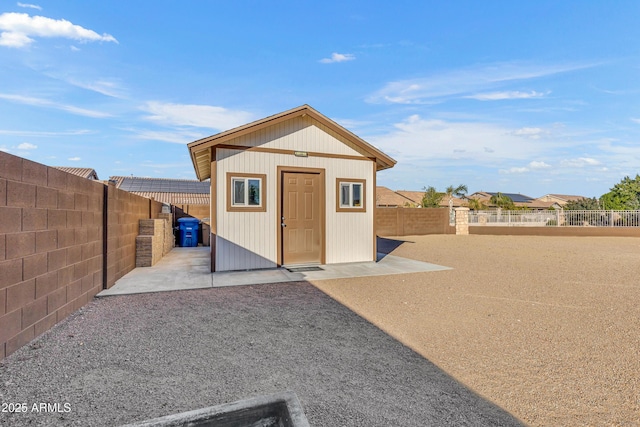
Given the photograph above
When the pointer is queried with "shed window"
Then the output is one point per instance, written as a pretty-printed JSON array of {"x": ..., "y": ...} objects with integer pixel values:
[
  {"x": 245, "y": 192},
  {"x": 351, "y": 193}
]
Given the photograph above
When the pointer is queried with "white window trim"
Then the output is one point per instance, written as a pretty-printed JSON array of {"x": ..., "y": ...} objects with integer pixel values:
[
  {"x": 246, "y": 192},
  {"x": 351, "y": 183},
  {"x": 232, "y": 178}
]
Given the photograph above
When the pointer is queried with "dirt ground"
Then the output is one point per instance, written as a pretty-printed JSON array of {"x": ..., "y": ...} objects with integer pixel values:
[{"x": 548, "y": 328}]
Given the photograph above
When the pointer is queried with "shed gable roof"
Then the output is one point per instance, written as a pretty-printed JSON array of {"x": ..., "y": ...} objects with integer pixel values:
[{"x": 200, "y": 150}]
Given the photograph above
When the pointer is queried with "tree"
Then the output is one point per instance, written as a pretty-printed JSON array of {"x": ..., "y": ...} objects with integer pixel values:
[
  {"x": 502, "y": 201},
  {"x": 585, "y": 204},
  {"x": 625, "y": 195},
  {"x": 476, "y": 204},
  {"x": 459, "y": 191},
  {"x": 431, "y": 198}
]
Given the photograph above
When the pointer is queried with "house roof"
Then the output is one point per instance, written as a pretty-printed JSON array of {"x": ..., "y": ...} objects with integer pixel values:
[
  {"x": 166, "y": 190},
  {"x": 160, "y": 185},
  {"x": 416, "y": 197},
  {"x": 387, "y": 197},
  {"x": 515, "y": 197},
  {"x": 563, "y": 197},
  {"x": 542, "y": 204},
  {"x": 177, "y": 198},
  {"x": 200, "y": 150},
  {"x": 83, "y": 172}
]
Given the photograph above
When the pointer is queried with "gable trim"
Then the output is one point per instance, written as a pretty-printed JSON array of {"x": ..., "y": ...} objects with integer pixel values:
[
  {"x": 291, "y": 152},
  {"x": 200, "y": 150}
]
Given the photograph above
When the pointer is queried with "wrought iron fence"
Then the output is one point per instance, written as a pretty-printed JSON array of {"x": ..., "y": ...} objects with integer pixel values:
[{"x": 557, "y": 218}]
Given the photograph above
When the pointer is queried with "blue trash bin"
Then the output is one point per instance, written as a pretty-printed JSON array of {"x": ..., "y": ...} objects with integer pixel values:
[{"x": 188, "y": 228}]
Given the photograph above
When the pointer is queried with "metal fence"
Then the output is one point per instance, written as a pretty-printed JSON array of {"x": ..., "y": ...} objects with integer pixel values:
[{"x": 557, "y": 218}]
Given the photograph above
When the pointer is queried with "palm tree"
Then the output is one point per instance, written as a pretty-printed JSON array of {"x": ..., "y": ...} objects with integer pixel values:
[
  {"x": 502, "y": 201},
  {"x": 476, "y": 204},
  {"x": 459, "y": 191}
]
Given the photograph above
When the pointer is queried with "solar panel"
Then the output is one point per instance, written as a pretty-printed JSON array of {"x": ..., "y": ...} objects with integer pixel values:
[
  {"x": 152, "y": 185},
  {"x": 516, "y": 198}
]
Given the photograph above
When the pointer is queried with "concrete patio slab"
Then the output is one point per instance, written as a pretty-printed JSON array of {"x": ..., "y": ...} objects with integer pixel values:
[{"x": 188, "y": 268}]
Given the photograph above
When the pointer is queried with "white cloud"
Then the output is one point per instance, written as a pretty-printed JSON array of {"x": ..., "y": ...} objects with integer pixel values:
[
  {"x": 19, "y": 28},
  {"x": 533, "y": 165},
  {"x": 29, "y": 133},
  {"x": 498, "y": 96},
  {"x": 26, "y": 146},
  {"x": 417, "y": 138},
  {"x": 635, "y": 120},
  {"x": 579, "y": 162},
  {"x": 465, "y": 81},
  {"x": 539, "y": 165},
  {"x": 338, "y": 57},
  {"x": 151, "y": 164},
  {"x": 513, "y": 170},
  {"x": 529, "y": 132},
  {"x": 40, "y": 102},
  {"x": 204, "y": 116},
  {"x": 29, "y": 6},
  {"x": 178, "y": 137},
  {"x": 434, "y": 144},
  {"x": 74, "y": 159},
  {"x": 105, "y": 87}
]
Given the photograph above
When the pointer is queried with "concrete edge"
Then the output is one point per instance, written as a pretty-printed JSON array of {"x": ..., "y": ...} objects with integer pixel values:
[{"x": 289, "y": 398}]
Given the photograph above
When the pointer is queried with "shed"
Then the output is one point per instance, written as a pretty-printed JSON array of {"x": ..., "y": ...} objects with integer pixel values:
[{"x": 291, "y": 189}]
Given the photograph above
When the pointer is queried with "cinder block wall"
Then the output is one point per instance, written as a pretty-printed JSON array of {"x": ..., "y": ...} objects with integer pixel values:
[
  {"x": 50, "y": 248},
  {"x": 124, "y": 212},
  {"x": 412, "y": 221},
  {"x": 151, "y": 243},
  {"x": 51, "y": 245}
]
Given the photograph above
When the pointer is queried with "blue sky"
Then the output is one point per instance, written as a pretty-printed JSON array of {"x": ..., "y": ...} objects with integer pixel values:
[{"x": 529, "y": 97}]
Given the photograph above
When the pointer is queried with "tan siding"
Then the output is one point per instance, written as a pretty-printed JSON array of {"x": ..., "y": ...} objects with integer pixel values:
[
  {"x": 249, "y": 240},
  {"x": 243, "y": 236},
  {"x": 299, "y": 134},
  {"x": 349, "y": 233}
]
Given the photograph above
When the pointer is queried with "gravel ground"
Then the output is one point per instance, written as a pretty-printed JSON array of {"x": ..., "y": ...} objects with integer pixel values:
[
  {"x": 129, "y": 358},
  {"x": 548, "y": 328}
]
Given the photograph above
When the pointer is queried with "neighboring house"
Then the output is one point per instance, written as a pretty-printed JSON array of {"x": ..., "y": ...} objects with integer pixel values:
[
  {"x": 416, "y": 198},
  {"x": 388, "y": 198},
  {"x": 294, "y": 188},
  {"x": 166, "y": 190},
  {"x": 518, "y": 199},
  {"x": 83, "y": 172},
  {"x": 559, "y": 199}
]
